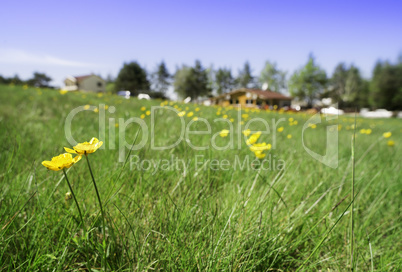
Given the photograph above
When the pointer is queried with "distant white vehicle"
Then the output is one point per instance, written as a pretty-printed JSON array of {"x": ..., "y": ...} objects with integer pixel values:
[
  {"x": 380, "y": 113},
  {"x": 144, "y": 96},
  {"x": 126, "y": 94},
  {"x": 332, "y": 111}
]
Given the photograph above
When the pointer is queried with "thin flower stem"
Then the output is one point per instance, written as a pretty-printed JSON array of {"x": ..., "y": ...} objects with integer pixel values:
[
  {"x": 101, "y": 208},
  {"x": 75, "y": 199}
]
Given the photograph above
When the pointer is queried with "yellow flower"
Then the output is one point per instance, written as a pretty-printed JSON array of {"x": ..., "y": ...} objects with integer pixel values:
[
  {"x": 291, "y": 119},
  {"x": 197, "y": 109},
  {"x": 260, "y": 147},
  {"x": 246, "y": 132},
  {"x": 224, "y": 133},
  {"x": 362, "y": 131},
  {"x": 62, "y": 92},
  {"x": 387, "y": 134},
  {"x": 195, "y": 119},
  {"x": 86, "y": 107},
  {"x": 181, "y": 114},
  {"x": 244, "y": 116},
  {"x": 313, "y": 126},
  {"x": 295, "y": 122},
  {"x": 60, "y": 162},
  {"x": 253, "y": 138},
  {"x": 85, "y": 147},
  {"x": 148, "y": 112},
  {"x": 289, "y": 136},
  {"x": 368, "y": 131},
  {"x": 259, "y": 154},
  {"x": 96, "y": 110},
  {"x": 225, "y": 116},
  {"x": 143, "y": 108},
  {"x": 100, "y": 94},
  {"x": 116, "y": 125},
  {"x": 390, "y": 143},
  {"x": 142, "y": 116},
  {"x": 218, "y": 113},
  {"x": 339, "y": 127},
  {"x": 190, "y": 114},
  {"x": 280, "y": 129}
]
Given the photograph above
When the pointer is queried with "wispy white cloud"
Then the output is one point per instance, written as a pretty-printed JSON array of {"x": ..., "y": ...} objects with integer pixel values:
[{"x": 16, "y": 56}]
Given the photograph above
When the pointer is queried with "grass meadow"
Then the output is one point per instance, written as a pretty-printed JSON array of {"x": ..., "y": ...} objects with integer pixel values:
[{"x": 195, "y": 214}]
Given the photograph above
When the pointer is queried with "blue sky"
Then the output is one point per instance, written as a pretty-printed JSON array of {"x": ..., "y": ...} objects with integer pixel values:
[{"x": 64, "y": 38}]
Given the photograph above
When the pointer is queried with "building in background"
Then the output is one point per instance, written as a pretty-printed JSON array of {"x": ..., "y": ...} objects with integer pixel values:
[
  {"x": 252, "y": 98},
  {"x": 88, "y": 83}
]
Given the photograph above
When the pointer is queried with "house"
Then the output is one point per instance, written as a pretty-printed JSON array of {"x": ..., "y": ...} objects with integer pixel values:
[
  {"x": 252, "y": 98},
  {"x": 88, "y": 83}
]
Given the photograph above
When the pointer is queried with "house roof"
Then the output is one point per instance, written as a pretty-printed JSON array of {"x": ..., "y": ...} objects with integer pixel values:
[
  {"x": 79, "y": 79},
  {"x": 260, "y": 93}
]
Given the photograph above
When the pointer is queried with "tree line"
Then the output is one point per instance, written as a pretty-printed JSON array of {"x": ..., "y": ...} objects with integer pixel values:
[
  {"x": 40, "y": 80},
  {"x": 309, "y": 83}
]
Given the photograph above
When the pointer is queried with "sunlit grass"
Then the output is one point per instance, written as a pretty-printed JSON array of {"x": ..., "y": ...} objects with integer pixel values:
[{"x": 189, "y": 217}]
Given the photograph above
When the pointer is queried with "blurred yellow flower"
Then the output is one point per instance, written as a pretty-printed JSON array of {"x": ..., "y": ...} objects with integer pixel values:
[
  {"x": 143, "y": 108},
  {"x": 195, "y": 119},
  {"x": 253, "y": 138},
  {"x": 85, "y": 147},
  {"x": 86, "y": 107},
  {"x": 224, "y": 133},
  {"x": 246, "y": 132},
  {"x": 225, "y": 116},
  {"x": 190, "y": 114},
  {"x": 100, "y": 94},
  {"x": 289, "y": 136},
  {"x": 116, "y": 125},
  {"x": 96, "y": 110},
  {"x": 368, "y": 131},
  {"x": 259, "y": 154},
  {"x": 181, "y": 114},
  {"x": 390, "y": 143},
  {"x": 291, "y": 119},
  {"x": 387, "y": 134},
  {"x": 313, "y": 126},
  {"x": 260, "y": 147},
  {"x": 148, "y": 112},
  {"x": 60, "y": 162},
  {"x": 63, "y": 92},
  {"x": 280, "y": 129},
  {"x": 142, "y": 116},
  {"x": 197, "y": 109}
]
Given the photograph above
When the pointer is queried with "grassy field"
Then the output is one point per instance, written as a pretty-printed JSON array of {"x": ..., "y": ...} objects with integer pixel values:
[{"x": 195, "y": 214}]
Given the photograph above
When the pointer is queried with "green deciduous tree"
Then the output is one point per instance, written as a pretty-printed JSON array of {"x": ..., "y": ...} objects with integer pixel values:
[
  {"x": 40, "y": 80},
  {"x": 191, "y": 81},
  {"x": 273, "y": 77},
  {"x": 132, "y": 77},
  {"x": 308, "y": 82},
  {"x": 347, "y": 87}
]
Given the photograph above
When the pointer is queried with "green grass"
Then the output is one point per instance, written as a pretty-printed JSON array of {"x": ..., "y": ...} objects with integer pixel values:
[{"x": 192, "y": 219}]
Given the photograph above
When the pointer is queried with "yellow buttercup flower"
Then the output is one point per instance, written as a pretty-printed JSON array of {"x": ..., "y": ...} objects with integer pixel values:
[
  {"x": 197, "y": 109},
  {"x": 148, "y": 112},
  {"x": 280, "y": 129},
  {"x": 259, "y": 154},
  {"x": 313, "y": 126},
  {"x": 85, "y": 147},
  {"x": 387, "y": 134},
  {"x": 289, "y": 136},
  {"x": 142, "y": 116},
  {"x": 143, "y": 108},
  {"x": 181, "y": 114},
  {"x": 63, "y": 92},
  {"x": 368, "y": 131},
  {"x": 60, "y": 162},
  {"x": 390, "y": 143},
  {"x": 253, "y": 138},
  {"x": 246, "y": 132},
  {"x": 260, "y": 147},
  {"x": 291, "y": 119},
  {"x": 224, "y": 133},
  {"x": 195, "y": 119},
  {"x": 190, "y": 114},
  {"x": 225, "y": 116}
]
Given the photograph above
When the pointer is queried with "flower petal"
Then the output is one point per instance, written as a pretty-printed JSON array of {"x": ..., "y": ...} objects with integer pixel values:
[{"x": 69, "y": 150}]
